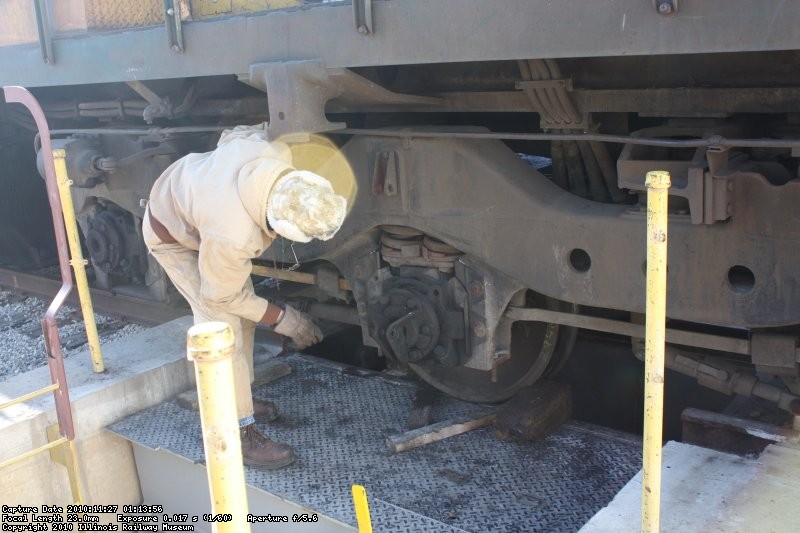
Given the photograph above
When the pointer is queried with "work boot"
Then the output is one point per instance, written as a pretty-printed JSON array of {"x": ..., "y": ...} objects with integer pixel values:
[
  {"x": 262, "y": 452},
  {"x": 264, "y": 411}
]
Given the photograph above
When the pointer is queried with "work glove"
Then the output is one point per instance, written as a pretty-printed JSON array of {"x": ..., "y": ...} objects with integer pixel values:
[{"x": 298, "y": 327}]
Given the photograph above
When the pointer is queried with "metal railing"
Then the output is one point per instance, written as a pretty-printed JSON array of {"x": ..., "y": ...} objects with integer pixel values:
[
  {"x": 658, "y": 183},
  {"x": 210, "y": 346},
  {"x": 52, "y": 341},
  {"x": 77, "y": 261}
]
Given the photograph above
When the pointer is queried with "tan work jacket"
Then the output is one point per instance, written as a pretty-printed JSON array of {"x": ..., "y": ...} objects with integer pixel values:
[{"x": 216, "y": 203}]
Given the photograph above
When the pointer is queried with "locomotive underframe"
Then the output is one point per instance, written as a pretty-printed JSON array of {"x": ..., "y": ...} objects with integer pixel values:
[{"x": 503, "y": 234}]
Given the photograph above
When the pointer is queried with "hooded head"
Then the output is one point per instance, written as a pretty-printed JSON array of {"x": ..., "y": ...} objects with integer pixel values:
[{"x": 303, "y": 206}]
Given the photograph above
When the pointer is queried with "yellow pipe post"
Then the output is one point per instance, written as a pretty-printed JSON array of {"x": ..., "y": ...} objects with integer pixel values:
[
  {"x": 210, "y": 345},
  {"x": 77, "y": 261},
  {"x": 362, "y": 509},
  {"x": 658, "y": 183}
]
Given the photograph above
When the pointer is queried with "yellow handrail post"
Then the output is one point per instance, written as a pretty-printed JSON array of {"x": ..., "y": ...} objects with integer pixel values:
[
  {"x": 210, "y": 345},
  {"x": 77, "y": 261},
  {"x": 362, "y": 509},
  {"x": 658, "y": 183}
]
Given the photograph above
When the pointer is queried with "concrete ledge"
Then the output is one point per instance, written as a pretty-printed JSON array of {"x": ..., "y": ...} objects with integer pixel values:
[
  {"x": 142, "y": 370},
  {"x": 707, "y": 490},
  {"x": 181, "y": 487}
]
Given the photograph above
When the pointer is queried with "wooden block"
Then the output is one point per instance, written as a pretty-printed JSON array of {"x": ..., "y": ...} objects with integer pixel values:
[
  {"x": 270, "y": 371},
  {"x": 266, "y": 372},
  {"x": 436, "y": 432},
  {"x": 534, "y": 412}
]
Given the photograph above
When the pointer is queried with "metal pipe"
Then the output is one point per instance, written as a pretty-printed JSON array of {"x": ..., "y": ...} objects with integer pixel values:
[
  {"x": 335, "y": 313},
  {"x": 29, "y": 396},
  {"x": 629, "y": 329},
  {"x": 141, "y": 131},
  {"x": 31, "y": 453},
  {"x": 109, "y": 164},
  {"x": 657, "y": 183},
  {"x": 52, "y": 342},
  {"x": 211, "y": 345},
  {"x": 566, "y": 100},
  {"x": 560, "y": 177},
  {"x": 548, "y": 95},
  {"x": 533, "y": 95},
  {"x": 597, "y": 185},
  {"x": 78, "y": 262},
  {"x": 723, "y": 377},
  {"x": 714, "y": 140},
  {"x": 575, "y": 174},
  {"x": 609, "y": 169}
]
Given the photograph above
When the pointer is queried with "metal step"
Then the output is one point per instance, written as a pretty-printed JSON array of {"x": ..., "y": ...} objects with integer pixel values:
[{"x": 337, "y": 418}]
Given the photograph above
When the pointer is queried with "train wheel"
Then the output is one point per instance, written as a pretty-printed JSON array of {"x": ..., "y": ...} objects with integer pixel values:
[{"x": 537, "y": 350}]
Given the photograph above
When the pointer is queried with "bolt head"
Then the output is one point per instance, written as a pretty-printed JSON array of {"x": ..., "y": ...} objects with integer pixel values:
[
  {"x": 665, "y": 8},
  {"x": 479, "y": 329},
  {"x": 176, "y": 48},
  {"x": 363, "y": 30},
  {"x": 476, "y": 289}
]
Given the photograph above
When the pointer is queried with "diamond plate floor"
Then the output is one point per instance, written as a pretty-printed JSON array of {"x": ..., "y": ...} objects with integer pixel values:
[{"x": 337, "y": 421}]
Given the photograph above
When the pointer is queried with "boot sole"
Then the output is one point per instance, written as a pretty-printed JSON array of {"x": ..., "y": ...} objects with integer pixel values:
[
  {"x": 272, "y": 465},
  {"x": 264, "y": 419}
]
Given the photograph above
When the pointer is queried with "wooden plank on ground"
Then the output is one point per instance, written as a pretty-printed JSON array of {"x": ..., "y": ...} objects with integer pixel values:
[{"x": 436, "y": 432}]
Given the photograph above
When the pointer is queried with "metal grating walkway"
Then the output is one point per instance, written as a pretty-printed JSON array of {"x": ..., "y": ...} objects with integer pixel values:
[{"x": 337, "y": 418}]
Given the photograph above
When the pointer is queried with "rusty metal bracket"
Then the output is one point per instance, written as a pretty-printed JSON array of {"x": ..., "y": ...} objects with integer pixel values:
[
  {"x": 774, "y": 353},
  {"x": 44, "y": 31},
  {"x": 384, "y": 174},
  {"x": 172, "y": 23},
  {"x": 159, "y": 107},
  {"x": 362, "y": 16},
  {"x": 666, "y": 7},
  {"x": 298, "y": 91}
]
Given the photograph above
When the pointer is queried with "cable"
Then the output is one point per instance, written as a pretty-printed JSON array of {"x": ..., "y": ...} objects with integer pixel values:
[{"x": 714, "y": 141}]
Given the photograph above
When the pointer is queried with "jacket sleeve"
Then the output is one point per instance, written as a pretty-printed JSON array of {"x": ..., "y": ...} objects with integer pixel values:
[{"x": 224, "y": 275}]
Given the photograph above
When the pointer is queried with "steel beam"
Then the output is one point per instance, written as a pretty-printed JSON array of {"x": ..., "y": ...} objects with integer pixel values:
[
  {"x": 413, "y": 33},
  {"x": 686, "y": 338}
]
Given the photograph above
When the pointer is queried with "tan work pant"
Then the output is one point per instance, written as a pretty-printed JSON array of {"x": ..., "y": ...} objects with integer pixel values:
[{"x": 180, "y": 264}]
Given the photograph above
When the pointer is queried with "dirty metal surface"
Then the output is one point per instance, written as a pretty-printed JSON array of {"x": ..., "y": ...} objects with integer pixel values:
[
  {"x": 412, "y": 33},
  {"x": 337, "y": 421}
]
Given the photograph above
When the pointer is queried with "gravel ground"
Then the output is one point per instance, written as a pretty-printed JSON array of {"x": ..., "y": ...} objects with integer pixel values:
[{"x": 21, "y": 339}]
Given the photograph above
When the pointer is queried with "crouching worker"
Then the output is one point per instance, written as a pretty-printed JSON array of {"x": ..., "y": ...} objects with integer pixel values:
[{"x": 208, "y": 216}]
